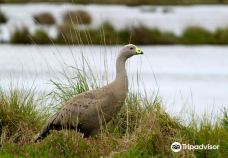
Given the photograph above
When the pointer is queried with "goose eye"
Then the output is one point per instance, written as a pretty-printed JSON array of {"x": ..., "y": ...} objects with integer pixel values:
[{"x": 131, "y": 48}]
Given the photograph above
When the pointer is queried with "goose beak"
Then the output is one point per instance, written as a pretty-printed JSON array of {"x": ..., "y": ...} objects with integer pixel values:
[{"x": 138, "y": 51}]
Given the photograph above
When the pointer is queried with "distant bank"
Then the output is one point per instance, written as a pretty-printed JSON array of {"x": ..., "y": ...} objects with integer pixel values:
[{"x": 113, "y": 24}]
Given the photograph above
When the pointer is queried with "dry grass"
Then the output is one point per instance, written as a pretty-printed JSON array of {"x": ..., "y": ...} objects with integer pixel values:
[{"x": 141, "y": 129}]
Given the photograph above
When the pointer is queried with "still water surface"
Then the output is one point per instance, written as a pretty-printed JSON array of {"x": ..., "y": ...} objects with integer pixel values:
[{"x": 189, "y": 78}]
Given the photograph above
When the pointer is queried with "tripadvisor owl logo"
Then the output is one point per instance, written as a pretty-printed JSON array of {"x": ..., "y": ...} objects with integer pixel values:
[{"x": 176, "y": 147}]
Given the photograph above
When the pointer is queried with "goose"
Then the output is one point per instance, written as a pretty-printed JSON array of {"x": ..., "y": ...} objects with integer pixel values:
[{"x": 87, "y": 111}]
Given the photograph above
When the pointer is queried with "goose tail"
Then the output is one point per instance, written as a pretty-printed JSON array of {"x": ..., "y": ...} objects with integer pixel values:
[{"x": 46, "y": 129}]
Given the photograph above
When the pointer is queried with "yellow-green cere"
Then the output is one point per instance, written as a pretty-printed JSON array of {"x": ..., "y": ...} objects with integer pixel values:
[{"x": 138, "y": 50}]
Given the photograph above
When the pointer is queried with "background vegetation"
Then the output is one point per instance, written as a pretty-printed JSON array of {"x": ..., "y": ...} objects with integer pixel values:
[
  {"x": 3, "y": 18},
  {"x": 72, "y": 34},
  {"x": 44, "y": 18},
  {"x": 75, "y": 29},
  {"x": 77, "y": 17}
]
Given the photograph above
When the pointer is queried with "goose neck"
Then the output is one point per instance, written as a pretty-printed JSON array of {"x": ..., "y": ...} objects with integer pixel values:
[{"x": 120, "y": 67}]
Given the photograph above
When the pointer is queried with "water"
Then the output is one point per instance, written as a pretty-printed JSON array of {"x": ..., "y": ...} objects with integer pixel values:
[
  {"x": 168, "y": 18},
  {"x": 192, "y": 78}
]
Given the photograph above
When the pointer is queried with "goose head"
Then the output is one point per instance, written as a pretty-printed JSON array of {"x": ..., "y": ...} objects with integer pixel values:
[{"x": 130, "y": 50}]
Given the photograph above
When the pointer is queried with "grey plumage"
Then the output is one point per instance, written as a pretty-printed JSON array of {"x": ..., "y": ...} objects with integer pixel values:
[{"x": 87, "y": 111}]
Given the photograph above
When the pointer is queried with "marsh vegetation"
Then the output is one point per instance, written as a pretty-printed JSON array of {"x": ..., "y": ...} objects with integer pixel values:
[
  {"x": 44, "y": 18},
  {"x": 58, "y": 26},
  {"x": 191, "y": 36},
  {"x": 3, "y": 18}
]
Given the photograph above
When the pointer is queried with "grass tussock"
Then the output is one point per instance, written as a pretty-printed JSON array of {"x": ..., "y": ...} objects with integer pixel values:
[
  {"x": 225, "y": 119},
  {"x": 3, "y": 18},
  {"x": 77, "y": 17},
  {"x": 221, "y": 35},
  {"x": 44, "y": 19},
  {"x": 41, "y": 37},
  {"x": 20, "y": 116},
  {"x": 152, "y": 36},
  {"x": 197, "y": 35},
  {"x": 21, "y": 36}
]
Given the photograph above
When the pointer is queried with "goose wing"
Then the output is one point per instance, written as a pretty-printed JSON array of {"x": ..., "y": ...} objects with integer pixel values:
[{"x": 78, "y": 108}]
